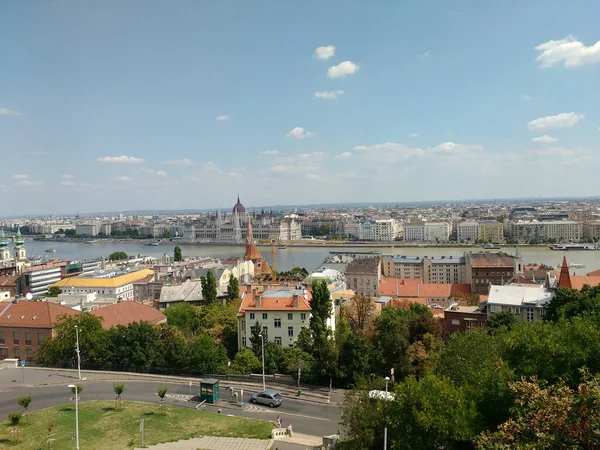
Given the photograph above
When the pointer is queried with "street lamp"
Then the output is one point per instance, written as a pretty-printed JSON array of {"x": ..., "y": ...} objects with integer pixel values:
[
  {"x": 72, "y": 386},
  {"x": 263, "y": 360},
  {"x": 77, "y": 350},
  {"x": 386, "y": 386},
  {"x": 385, "y": 429}
]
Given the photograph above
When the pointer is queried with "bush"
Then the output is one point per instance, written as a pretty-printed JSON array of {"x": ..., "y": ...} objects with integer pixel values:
[{"x": 14, "y": 418}]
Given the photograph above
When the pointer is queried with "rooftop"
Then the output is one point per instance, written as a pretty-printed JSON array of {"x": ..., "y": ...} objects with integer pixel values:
[
  {"x": 124, "y": 313},
  {"x": 519, "y": 294},
  {"x": 277, "y": 300},
  {"x": 29, "y": 314},
  {"x": 482, "y": 260},
  {"x": 106, "y": 279}
]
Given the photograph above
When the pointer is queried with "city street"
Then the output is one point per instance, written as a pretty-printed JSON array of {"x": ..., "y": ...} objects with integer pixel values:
[{"x": 49, "y": 388}]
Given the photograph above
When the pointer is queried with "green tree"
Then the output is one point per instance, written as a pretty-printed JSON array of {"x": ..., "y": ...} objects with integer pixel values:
[
  {"x": 53, "y": 291},
  {"x": 206, "y": 356},
  {"x": 162, "y": 392},
  {"x": 321, "y": 334},
  {"x": 24, "y": 402},
  {"x": 569, "y": 303},
  {"x": 118, "y": 256},
  {"x": 177, "y": 255},
  {"x": 220, "y": 322},
  {"x": 256, "y": 339},
  {"x": 233, "y": 288},
  {"x": 136, "y": 346},
  {"x": 93, "y": 342},
  {"x": 14, "y": 418},
  {"x": 390, "y": 342},
  {"x": 353, "y": 359},
  {"x": 502, "y": 320},
  {"x": 245, "y": 362},
  {"x": 118, "y": 388},
  {"x": 174, "y": 348},
  {"x": 185, "y": 317},
  {"x": 209, "y": 288},
  {"x": 273, "y": 358}
]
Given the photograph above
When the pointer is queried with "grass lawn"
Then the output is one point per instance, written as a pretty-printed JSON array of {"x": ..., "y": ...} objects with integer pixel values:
[{"x": 103, "y": 427}]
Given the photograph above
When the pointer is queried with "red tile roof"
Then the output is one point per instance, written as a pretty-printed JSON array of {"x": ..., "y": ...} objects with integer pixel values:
[
  {"x": 29, "y": 314},
  {"x": 124, "y": 313},
  {"x": 577, "y": 281},
  {"x": 481, "y": 260},
  {"x": 595, "y": 273},
  {"x": 283, "y": 303},
  {"x": 412, "y": 287}
]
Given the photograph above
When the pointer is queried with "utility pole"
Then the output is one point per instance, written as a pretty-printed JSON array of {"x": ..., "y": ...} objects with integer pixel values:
[
  {"x": 263, "y": 361},
  {"x": 141, "y": 428},
  {"x": 72, "y": 386},
  {"x": 77, "y": 350}
]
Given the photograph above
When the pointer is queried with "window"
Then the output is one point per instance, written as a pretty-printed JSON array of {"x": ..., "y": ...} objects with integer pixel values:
[
  {"x": 455, "y": 322},
  {"x": 517, "y": 310},
  {"x": 265, "y": 330},
  {"x": 277, "y": 323},
  {"x": 16, "y": 337},
  {"x": 529, "y": 314},
  {"x": 290, "y": 316},
  {"x": 495, "y": 308},
  {"x": 17, "y": 352},
  {"x": 27, "y": 338},
  {"x": 264, "y": 316},
  {"x": 278, "y": 341},
  {"x": 3, "y": 353},
  {"x": 29, "y": 353},
  {"x": 291, "y": 331},
  {"x": 542, "y": 312},
  {"x": 469, "y": 324},
  {"x": 303, "y": 316},
  {"x": 1, "y": 337},
  {"x": 251, "y": 316},
  {"x": 243, "y": 342},
  {"x": 243, "y": 325}
]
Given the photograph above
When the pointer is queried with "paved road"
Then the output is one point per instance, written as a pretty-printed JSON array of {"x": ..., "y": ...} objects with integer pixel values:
[{"x": 51, "y": 390}]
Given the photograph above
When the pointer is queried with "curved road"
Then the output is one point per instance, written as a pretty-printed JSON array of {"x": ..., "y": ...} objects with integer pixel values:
[{"x": 306, "y": 417}]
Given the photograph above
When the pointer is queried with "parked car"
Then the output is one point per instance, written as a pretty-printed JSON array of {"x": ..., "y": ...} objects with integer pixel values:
[
  {"x": 382, "y": 395},
  {"x": 269, "y": 398}
]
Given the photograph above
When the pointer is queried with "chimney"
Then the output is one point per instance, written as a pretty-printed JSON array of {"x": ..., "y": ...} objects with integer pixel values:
[
  {"x": 295, "y": 301},
  {"x": 256, "y": 300}
]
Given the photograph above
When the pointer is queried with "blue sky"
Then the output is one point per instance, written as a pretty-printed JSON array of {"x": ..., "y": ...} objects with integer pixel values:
[{"x": 109, "y": 105}]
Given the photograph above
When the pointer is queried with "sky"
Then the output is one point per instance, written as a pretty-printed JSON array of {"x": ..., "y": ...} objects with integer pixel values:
[{"x": 141, "y": 104}]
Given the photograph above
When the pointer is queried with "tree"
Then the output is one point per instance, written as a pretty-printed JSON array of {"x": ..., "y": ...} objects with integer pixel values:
[
  {"x": 24, "y": 402},
  {"x": 118, "y": 256},
  {"x": 209, "y": 287},
  {"x": 206, "y": 356},
  {"x": 245, "y": 362},
  {"x": 233, "y": 288},
  {"x": 257, "y": 337},
  {"x": 14, "y": 418},
  {"x": 162, "y": 392},
  {"x": 118, "y": 388},
  {"x": 320, "y": 331},
  {"x": 177, "y": 255},
  {"x": 360, "y": 312},
  {"x": 136, "y": 347},
  {"x": 549, "y": 416},
  {"x": 390, "y": 342},
  {"x": 353, "y": 359},
  {"x": 53, "y": 291},
  {"x": 220, "y": 322},
  {"x": 502, "y": 320},
  {"x": 569, "y": 303},
  {"x": 185, "y": 317}
]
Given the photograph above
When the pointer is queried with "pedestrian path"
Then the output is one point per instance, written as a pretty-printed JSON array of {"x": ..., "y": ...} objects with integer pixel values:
[{"x": 214, "y": 443}]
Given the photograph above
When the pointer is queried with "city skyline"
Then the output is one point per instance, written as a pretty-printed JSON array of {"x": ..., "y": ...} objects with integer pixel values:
[{"x": 147, "y": 106}]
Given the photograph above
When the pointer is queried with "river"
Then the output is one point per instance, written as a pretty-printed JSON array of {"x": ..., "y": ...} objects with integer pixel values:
[{"x": 308, "y": 257}]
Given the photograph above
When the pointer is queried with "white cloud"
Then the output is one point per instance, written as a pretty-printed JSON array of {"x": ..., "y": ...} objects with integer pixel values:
[
  {"x": 123, "y": 178},
  {"x": 120, "y": 159},
  {"x": 325, "y": 52},
  {"x": 299, "y": 133},
  {"x": 328, "y": 94},
  {"x": 221, "y": 118},
  {"x": 154, "y": 173},
  {"x": 526, "y": 97},
  {"x": 68, "y": 183},
  {"x": 568, "y": 50},
  {"x": 67, "y": 177},
  {"x": 558, "y": 121},
  {"x": 342, "y": 69},
  {"x": 452, "y": 148},
  {"x": 413, "y": 135},
  {"x": 20, "y": 176},
  {"x": 314, "y": 177},
  {"x": 8, "y": 112},
  {"x": 29, "y": 183},
  {"x": 545, "y": 139},
  {"x": 270, "y": 152},
  {"x": 344, "y": 155},
  {"x": 180, "y": 162}
]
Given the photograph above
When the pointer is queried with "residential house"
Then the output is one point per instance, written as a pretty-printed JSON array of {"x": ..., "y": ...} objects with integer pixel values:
[
  {"x": 124, "y": 313},
  {"x": 525, "y": 301}
]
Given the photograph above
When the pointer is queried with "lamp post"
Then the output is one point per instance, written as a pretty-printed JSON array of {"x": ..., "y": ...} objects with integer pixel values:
[
  {"x": 387, "y": 379},
  {"x": 77, "y": 350},
  {"x": 386, "y": 386},
  {"x": 72, "y": 386},
  {"x": 263, "y": 360}
]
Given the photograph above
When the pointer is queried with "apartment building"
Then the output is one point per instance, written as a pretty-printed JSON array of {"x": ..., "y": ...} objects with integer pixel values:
[
  {"x": 90, "y": 229},
  {"x": 559, "y": 230},
  {"x": 115, "y": 284},
  {"x": 429, "y": 269},
  {"x": 491, "y": 231},
  {"x": 485, "y": 269},
  {"x": 591, "y": 230},
  {"x": 467, "y": 231},
  {"x": 525, "y": 301},
  {"x": 281, "y": 313},
  {"x": 36, "y": 280},
  {"x": 427, "y": 231},
  {"x": 463, "y": 318},
  {"x": 363, "y": 276},
  {"x": 25, "y": 324}
]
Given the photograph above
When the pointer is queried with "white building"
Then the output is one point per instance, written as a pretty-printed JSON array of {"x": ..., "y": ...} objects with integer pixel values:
[
  {"x": 559, "y": 230},
  {"x": 467, "y": 231},
  {"x": 90, "y": 229},
  {"x": 282, "y": 313},
  {"x": 525, "y": 301},
  {"x": 117, "y": 284},
  {"x": 427, "y": 231},
  {"x": 379, "y": 230}
]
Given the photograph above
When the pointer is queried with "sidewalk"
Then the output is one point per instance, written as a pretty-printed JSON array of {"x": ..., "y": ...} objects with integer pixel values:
[{"x": 214, "y": 443}]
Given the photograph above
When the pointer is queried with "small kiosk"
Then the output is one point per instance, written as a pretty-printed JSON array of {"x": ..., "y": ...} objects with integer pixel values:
[{"x": 209, "y": 390}]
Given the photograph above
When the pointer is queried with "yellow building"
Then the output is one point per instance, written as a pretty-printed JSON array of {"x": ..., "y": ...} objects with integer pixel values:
[
  {"x": 491, "y": 231},
  {"x": 109, "y": 283}
]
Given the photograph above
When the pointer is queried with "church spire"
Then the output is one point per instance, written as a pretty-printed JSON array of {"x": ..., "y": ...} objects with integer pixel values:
[{"x": 564, "y": 280}]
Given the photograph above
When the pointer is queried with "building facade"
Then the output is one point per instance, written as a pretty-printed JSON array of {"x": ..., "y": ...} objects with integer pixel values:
[
  {"x": 467, "y": 231},
  {"x": 363, "y": 276},
  {"x": 427, "y": 231},
  {"x": 114, "y": 284},
  {"x": 525, "y": 301},
  {"x": 486, "y": 269},
  {"x": 591, "y": 230},
  {"x": 429, "y": 269},
  {"x": 558, "y": 230},
  {"x": 491, "y": 231},
  {"x": 90, "y": 229}
]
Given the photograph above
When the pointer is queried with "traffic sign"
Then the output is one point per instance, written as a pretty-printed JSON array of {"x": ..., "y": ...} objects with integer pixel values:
[{"x": 22, "y": 363}]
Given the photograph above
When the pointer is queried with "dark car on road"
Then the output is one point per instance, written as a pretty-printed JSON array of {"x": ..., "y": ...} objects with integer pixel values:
[{"x": 269, "y": 398}]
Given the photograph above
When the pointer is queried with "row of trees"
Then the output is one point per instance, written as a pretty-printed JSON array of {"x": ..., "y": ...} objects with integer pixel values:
[{"x": 515, "y": 385}]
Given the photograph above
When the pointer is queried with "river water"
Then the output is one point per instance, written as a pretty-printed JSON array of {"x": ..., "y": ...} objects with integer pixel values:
[{"x": 308, "y": 257}]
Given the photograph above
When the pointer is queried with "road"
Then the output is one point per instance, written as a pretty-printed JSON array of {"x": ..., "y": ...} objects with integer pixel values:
[{"x": 306, "y": 417}]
